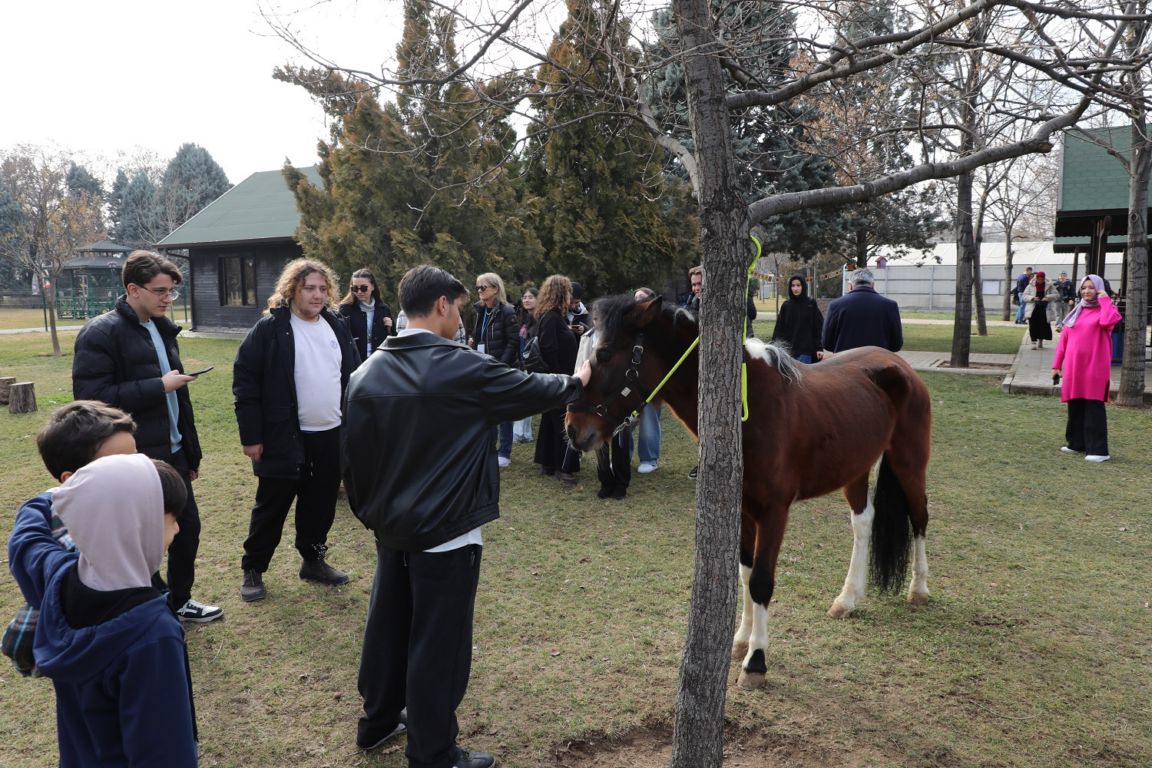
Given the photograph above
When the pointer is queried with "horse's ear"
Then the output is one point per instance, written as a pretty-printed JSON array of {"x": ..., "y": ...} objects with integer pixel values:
[{"x": 648, "y": 310}]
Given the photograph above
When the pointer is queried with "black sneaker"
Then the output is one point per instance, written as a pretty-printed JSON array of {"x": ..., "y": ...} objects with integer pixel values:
[
  {"x": 253, "y": 587},
  {"x": 367, "y": 743},
  {"x": 694, "y": 471},
  {"x": 199, "y": 613},
  {"x": 474, "y": 760},
  {"x": 320, "y": 572}
]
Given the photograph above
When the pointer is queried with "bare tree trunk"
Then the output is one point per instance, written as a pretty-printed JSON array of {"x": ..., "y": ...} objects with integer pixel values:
[
  {"x": 699, "y": 731},
  {"x": 1009, "y": 278},
  {"x": 1131, "y": 390},
  {"x": 861, "y": 249},
  {"x": 50, "y": 296},
  {"x": 978, "y": 291},
  {"x": 965, "y": 245}
]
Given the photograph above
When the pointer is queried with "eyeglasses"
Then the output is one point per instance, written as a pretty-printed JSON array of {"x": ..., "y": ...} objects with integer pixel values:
[
  {"x": 163, "y": 293},
  {"x": 361, "y": 288}
]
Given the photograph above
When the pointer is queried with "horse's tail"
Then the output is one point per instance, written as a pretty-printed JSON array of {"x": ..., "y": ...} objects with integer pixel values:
[{"x": 891, "y": 530}]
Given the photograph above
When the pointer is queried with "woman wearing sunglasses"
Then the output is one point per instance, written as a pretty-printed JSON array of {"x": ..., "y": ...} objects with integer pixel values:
[
  {"x": 368, "y": 317},
  {"x": 497, "y": 334}
]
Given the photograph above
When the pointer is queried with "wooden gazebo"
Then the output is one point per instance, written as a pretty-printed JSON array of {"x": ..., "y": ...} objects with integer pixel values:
[
  {"x": 90, "y": 282},
  {"x": 1092, "y": 212}
]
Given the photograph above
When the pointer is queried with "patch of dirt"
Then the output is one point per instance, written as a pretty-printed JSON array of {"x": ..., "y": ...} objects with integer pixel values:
[{"x": 651, "y": 747}]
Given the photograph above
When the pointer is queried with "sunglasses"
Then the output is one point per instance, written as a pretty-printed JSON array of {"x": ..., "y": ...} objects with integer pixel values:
[
  {"x": 483, "y": 287},
  {"x": 361, "y": 288}
]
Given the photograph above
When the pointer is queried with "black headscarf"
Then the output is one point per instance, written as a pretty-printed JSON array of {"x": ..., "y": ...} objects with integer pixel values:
[{"x": 803, "y": 288}]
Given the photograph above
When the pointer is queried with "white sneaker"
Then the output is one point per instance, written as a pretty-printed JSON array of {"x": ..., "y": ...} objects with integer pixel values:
[
  {"x": 1097, "y": 459},
  {"x": 504, "y": 461},
  {"x": 646, "y": 467},
  {"x": 1066, "y": 449},
  {"x": 198, "y": 613}
]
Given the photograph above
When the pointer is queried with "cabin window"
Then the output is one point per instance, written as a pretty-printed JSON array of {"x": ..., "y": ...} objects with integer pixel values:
[{"x": 237, "y": 281}]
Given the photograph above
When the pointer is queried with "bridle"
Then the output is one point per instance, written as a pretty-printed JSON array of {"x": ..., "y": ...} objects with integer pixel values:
[{"x": 631, "y": 382}]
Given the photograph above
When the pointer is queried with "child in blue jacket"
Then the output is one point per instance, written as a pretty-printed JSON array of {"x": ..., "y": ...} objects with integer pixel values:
[
  {"x": 106, "y": 637},
  {"x": 74, "y": 435}
]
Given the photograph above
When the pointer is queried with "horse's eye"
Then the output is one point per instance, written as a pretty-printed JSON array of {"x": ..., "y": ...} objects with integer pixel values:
[{"x": 603, "y": 356}]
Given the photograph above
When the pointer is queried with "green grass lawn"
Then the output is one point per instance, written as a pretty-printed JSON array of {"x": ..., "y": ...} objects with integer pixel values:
[{"x": 1034, "y": 651}]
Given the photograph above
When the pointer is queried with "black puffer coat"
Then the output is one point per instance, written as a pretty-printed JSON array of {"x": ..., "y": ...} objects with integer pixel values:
[
  {"x": 264, "y": 387},
  {"x": 500, "y": 335},
  {"x": 114, "y": 362}
]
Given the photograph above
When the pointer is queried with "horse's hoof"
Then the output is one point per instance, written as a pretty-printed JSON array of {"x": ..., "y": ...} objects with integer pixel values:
[
  {"x": 839, "y": 611},
  {"x": 918, "y": 598},
  {"x": 739, "y": 650},
  {"x": 750, "y": 680}
]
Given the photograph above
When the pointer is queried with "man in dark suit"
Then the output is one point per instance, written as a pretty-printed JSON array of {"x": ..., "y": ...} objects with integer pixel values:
[{"x": 862, "y": 318}]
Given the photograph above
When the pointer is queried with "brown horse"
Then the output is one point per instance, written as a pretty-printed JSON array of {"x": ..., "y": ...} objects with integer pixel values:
[{"x": 811, "y": 430}]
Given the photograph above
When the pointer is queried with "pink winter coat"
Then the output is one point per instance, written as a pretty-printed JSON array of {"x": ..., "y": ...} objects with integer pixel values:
[{"x": 1084, "y": 353}]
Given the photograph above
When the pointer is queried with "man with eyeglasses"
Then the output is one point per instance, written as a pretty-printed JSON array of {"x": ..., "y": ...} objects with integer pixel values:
[{"x": 128, "y": 357}]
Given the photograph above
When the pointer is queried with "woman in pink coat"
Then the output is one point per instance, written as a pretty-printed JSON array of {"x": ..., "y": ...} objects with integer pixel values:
[{"x": 1084, "y": 354}]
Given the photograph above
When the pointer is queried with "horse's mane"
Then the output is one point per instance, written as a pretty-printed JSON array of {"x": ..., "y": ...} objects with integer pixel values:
[
  {"x": 777, "y": 356},
  {"x": 613, "y": 316}
]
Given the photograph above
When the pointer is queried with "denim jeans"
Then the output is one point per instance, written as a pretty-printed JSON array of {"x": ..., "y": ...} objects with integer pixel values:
[
  {"x": 504, "y": 447},
  {"x": 648, "y": 441},
  {"x": 523, "y": 429}
]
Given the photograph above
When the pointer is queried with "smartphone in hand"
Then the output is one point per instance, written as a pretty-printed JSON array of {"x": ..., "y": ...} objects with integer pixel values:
[{"x": 197, "y": 373}]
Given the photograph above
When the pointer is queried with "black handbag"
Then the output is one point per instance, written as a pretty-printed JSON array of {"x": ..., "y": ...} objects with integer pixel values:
[{"x": 532, "y": 359}]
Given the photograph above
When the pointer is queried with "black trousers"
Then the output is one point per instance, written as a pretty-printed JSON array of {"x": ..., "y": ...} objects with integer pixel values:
[
  {"x": 315, "y": 493},
  {"x": 1087, "y": 429},
  {"x": 550, "y": 445},
  {"x": 182, "y": 551},
  {"x": 418, "y": 649},
  {"x": 614, "y": 462}
]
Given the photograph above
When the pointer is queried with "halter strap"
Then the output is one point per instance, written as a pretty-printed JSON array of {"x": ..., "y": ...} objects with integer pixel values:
[{"x": 632, "y": 375}]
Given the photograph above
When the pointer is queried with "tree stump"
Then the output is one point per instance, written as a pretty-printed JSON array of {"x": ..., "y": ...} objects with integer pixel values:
[
  {"x": 6, "y": 383},
  {"x": 22, "y": 397}
]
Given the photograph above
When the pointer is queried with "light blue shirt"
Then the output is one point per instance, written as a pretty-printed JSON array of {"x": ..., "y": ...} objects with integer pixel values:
[{"x": 174, "y": 436}]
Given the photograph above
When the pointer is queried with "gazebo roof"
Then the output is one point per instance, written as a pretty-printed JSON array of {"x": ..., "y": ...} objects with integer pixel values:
[
  {"x": 1093, "y": 182},
  {"x": 95, "y": 262},
  {"x": 104, "y": 246},
  {"x": 260, "y": 208}
]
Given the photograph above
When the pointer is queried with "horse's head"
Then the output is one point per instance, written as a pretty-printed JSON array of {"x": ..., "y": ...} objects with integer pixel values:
[{"x": 624, "y": 369}]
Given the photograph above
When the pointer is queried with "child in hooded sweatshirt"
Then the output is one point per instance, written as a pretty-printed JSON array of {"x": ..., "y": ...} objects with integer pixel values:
[
  {"x": 106, "y": 638},
  {"x": 74, "y": 435}
]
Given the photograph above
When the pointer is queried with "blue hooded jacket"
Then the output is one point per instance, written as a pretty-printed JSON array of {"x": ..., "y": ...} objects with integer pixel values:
[{"x": 123, "y": 697}]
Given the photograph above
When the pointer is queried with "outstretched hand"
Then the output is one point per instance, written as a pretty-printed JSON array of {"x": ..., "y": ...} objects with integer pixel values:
[{"x": 585, "y": 373}]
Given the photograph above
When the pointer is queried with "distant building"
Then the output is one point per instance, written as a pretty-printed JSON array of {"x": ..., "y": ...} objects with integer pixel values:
[
  {"x": 236, "y": 248},
  {"x": 928, "y": 280}
]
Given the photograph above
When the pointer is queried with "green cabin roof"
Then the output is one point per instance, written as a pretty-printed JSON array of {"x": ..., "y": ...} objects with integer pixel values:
[
  {"x": 1092, "y": 179},
  {"x": 260, "y": 208}
]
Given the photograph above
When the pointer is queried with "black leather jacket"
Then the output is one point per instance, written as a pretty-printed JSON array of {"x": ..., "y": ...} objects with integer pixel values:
[
  {"x": 115, "y": 362},
  {"x": 264, "y": 386},
  {"x": 419, "y": 458}
]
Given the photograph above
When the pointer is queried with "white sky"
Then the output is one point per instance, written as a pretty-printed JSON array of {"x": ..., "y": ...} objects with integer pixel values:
[{"x": 109, "y": 81}]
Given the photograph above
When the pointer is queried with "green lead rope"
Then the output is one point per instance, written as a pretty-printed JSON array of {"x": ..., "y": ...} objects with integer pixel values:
[
  {"x": 744, "y": 365},
  {"x": 696, "y": 342}
]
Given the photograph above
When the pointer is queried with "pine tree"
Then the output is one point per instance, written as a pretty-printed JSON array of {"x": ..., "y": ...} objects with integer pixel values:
[
  {"x": 770, "y": 144},
  {"x": 138, "y": 220},
  {"x": 419, "y": 180},
  {"x": 191, "y": 181},
  {"x": 608, "y": 217}
]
